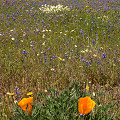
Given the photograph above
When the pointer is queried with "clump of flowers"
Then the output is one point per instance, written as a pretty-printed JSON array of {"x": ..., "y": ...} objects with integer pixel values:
[
  {"x": 49, "y": 8},
  {"x": 65, "y": 105}
]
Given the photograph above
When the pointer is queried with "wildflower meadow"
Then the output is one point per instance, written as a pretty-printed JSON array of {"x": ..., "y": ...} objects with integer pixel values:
[{"x": 59, "y": 59}]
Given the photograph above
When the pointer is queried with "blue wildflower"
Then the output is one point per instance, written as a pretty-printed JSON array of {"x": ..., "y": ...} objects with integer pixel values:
[
  {"x": 32, "y": 43},
  {"x": 48, "y": 48},
  {"x": 66, "y": 55},
  {"x": 98, "y": 62},
  {"x": 104, "y": 34},
  {"x": 25, "y": 53},
  {"x": 13, "y": 19},
  {"x": 61, "y": 48},
  {"x": 87, "y": 63},
  {"x": 43, "y": 21},
  {"x": 16, "y": 90},
  {"x": 54, "y": 56},
  {"x": 83, "y": 60},
  {"x": 71, "y": 51},
  {"x": 93, "y": 41},
  {"x": 103, "y": 55},
  {"x": 108, "y": 36},
  {"x": 81, "y": 31},
  {"x": 16, "y": 42},
  {"x": 45, "y": 59},
  {"x": 82, "y": 57},
  {"x": 44, "y": 53}
]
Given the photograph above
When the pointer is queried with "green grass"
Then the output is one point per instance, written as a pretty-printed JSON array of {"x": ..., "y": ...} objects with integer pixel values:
[{"x": 87, "y": 38}]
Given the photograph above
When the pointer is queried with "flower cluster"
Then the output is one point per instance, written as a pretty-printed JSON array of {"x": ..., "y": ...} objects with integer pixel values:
[{"x": 49, "y": 8}]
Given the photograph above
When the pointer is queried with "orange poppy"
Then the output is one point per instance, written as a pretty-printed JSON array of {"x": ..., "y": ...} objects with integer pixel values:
[
  {"x": 26, "y": 102},
  {"x": 85, "y": 105}
]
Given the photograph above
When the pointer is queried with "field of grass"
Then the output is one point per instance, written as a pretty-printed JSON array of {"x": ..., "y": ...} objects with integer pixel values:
[{"x": 47, "y": 44}]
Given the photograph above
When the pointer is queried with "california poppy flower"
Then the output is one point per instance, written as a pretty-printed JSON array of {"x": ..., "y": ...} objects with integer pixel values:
[
  {"x": 26, "y": 102},
  {"x": 85, "y": 105}
]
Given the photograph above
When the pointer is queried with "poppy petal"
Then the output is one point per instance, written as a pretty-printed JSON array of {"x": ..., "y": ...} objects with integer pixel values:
[
  {"x": 23, "y": 102},
  {"x": 30, "y": 100},
  {"x": 29, "y": 109}
]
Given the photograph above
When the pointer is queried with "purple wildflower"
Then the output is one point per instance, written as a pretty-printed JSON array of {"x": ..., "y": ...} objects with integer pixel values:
[
  {"x": 81, "y": 31},
  {"x": 103, "y": 55},
  {"x": 93, "y": 41},
  {"x": 25, "y": 53}
]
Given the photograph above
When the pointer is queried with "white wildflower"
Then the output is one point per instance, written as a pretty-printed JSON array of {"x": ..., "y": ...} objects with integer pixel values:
[
  {"x": 43, "y": 36},
  {"x": 11, "y": 30},
  {"x": 38, "y": 54},
  {"x": 75, "y": 46},
  {"x": 43, "y": 43},
  {"x": 13, "y": 38},
  {"x": 24, "y": 34},
  {"x": 15, "y": 101},
  {"x": 94, "y": 55},
  {"x": 8, "y": 93},
  {"x": 86, "y": 50},
  {"x": 82, "y": 51},
  {"x": 52, "y": 69},
  {"x": 93, "y": 93},
  {"x": 72, "y": 30}
]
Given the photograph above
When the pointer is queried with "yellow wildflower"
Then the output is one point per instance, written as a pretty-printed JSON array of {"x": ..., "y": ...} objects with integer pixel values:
[
  {"x": 45, "y": 91},
  {"x": 12, "y": 94},
  {"x": 87, "y": 87},
  {"x": 60, "y": 58},
  {"x": 30, "y": 93}
]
